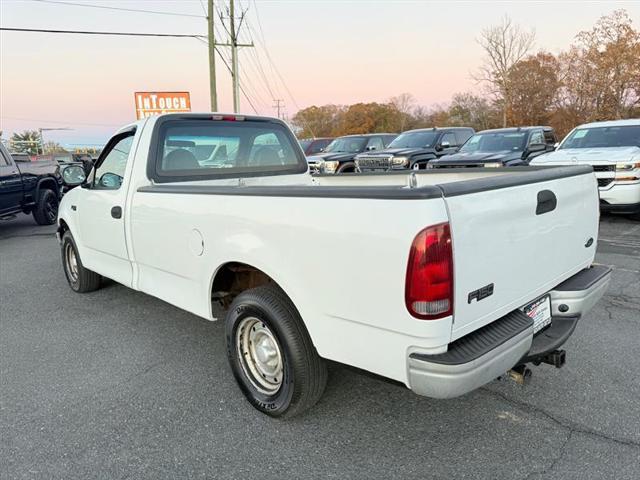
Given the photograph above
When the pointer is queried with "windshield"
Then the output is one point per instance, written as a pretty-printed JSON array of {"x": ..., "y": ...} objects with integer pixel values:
[
  {"x": 495, "y": 142},
  {"x": 305, "y": 143},
  {"x": 347, "y": 145},
  {"x": 414, "y": 140},
  {"x": 626, "y": 136}
]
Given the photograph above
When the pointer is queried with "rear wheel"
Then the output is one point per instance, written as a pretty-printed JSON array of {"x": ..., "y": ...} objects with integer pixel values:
[
  {"x": 271, "y": 354},
  {"x": 46, "y": 211},
  {"x": 81, "y": 279}
]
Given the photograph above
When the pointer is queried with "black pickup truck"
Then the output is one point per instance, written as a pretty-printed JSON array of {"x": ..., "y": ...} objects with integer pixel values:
[
  {"x": 29, "y": 187},
  {"x": 502, "y": 147},
  {"x": 414, "y": 149},
  {"x": 338, "y": 156}
]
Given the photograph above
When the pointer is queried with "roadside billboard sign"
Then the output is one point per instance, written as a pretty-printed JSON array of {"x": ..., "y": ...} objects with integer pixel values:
[{"x": 155, "y": 103}]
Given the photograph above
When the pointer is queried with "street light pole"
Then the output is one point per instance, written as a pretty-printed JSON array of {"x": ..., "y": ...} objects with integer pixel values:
[{"x": 40, "y": 130}]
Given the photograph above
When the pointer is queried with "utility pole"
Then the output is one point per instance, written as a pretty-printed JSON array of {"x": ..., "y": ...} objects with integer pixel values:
[
  {"x": 234, "y": 58},
  {"x": 278, "y": 104},
  {"x": 233, "y": 34},
  {"x": 212, "y": 57}
]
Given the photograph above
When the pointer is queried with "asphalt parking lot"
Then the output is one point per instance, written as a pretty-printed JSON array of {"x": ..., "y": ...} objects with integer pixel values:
[{"x": 116, "y": 384}]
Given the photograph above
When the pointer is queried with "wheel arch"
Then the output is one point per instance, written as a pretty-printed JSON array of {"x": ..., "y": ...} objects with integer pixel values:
[
  {"x": 47, "y": 183},
  {"x": 233, "y": 277}
]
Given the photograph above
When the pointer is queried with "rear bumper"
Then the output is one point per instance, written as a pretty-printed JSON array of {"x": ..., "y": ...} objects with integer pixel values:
[
  {"x": 622, "y": 208},
  {"x": 487, "y": 353}
]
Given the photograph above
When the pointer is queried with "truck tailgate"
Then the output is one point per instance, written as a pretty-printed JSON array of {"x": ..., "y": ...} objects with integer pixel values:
[{"x": 518, "y": 236}]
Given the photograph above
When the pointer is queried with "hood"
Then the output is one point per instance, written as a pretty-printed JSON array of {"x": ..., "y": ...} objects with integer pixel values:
[
  {"x": 589, "y": 155},
  {"x": 398, "y": 152},
  {"x": 340, "y": 156},
  {"x": 479, "y": 157}
]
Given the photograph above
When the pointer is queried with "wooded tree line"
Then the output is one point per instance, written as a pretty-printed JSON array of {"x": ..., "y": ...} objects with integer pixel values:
[{"x": 597, "y": 78}]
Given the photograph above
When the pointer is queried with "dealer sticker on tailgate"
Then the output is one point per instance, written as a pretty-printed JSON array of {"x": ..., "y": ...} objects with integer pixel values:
[{"x": 540, "y": 312}]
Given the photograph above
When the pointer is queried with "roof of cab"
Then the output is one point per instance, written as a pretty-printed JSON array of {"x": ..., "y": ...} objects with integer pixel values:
[
  {"x": 437, "y": 129},
  {"x": 612, "y": 123},
  {"x": 546, "y": 128}
]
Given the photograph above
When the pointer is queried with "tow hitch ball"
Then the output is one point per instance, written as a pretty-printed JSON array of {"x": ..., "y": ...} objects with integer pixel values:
[{"x": 521, "y": 374}]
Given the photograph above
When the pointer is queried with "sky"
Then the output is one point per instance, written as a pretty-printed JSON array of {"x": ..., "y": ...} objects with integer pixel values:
[{"x": 307, "y": 52}]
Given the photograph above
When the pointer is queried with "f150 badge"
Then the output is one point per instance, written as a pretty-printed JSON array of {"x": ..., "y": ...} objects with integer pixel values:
[{"x": 481, "y": 293}]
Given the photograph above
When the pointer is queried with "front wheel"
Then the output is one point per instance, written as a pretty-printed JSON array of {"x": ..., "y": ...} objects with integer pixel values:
[
  {"x": 81, "y": 279},
  {"x": 46, "y": 211},
  {"x": 347, "y": 168},
  {"x": 271, "y": 354}
]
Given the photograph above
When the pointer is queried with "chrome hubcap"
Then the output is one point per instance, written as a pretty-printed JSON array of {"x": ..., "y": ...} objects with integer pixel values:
[
  {"x": 72, "y": 262},
  {"x": 259, "y": 354}
]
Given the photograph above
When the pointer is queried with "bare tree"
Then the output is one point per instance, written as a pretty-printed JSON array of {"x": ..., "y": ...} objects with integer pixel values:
[
  {"x": 505, "y": 45},
  {"x": 404, "y": 104}
]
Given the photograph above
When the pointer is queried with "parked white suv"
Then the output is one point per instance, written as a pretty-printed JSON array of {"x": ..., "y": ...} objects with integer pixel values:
[{"x": 613, "y": 150}]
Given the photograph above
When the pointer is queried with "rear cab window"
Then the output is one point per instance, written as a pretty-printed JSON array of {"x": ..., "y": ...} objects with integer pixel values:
[{"x": 204, "y": 148}]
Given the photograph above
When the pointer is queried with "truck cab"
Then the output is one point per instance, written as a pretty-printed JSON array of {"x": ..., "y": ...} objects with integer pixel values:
[
  {"x": 414, "y": 149},
  {"x": 339, "y": 155},
  {"x": 501, "y": 147}
]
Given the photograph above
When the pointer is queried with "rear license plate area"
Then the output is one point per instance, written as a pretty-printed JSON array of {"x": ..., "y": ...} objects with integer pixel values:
[{"x": 540, "y": 312}]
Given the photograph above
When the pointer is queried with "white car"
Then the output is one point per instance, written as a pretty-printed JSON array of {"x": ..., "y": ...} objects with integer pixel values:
[
  {"x": 613, "y": 150},
  {"x": 442, "y": 280}
]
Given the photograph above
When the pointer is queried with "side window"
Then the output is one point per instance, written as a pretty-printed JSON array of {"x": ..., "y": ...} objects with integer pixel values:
[
  {"x": 4, "y": 161},
  {"x": 317, "y": 146},
  {"x": 375, "y": 143},
  {"x": 536, "y": 138},
  {"x": 449, "y": 138},
  {"x": 550, "y": 138},
  {"x": 110, "y": 173},
  {"x": 462, "y": 136}
]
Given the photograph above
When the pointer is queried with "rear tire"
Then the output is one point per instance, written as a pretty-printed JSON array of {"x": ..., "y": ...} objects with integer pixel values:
[
  {"x": 81, "y": 279},
  {"x": 46, "y": 211},
  {"x": 271, "y": 354}
]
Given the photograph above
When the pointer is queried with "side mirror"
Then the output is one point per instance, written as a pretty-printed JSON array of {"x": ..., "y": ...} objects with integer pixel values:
[
  {"x": 110, "y": 180},
  {"x": 556, "y": 145},
  {"x": 445, "y": 144},
  {"x": 537, "y": 147},
  {"x": 73, "y": 175}
]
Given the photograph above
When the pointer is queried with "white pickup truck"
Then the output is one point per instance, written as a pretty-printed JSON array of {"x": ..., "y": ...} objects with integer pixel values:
[
  {"x": 440, "y": 279},
  {"x": 613, "y": 150}
]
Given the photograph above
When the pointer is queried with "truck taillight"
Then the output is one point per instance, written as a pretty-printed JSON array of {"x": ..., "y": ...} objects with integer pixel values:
[{"x": 429, "y": 283}]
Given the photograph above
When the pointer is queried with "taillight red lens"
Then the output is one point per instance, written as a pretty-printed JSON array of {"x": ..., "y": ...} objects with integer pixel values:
[{"x": 429, "y": 283}]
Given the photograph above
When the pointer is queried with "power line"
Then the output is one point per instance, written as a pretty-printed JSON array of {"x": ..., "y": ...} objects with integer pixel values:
[
  {"x": 229, "y": 69},
  {"x": 57, "y": 121},
  {"x": 87, "y": 32},
  {"x": 73, "y": 4}
]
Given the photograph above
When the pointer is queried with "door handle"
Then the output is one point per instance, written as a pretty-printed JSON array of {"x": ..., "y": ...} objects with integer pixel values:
[
  {"x": 116, "y": 212},
  {"x": 547, "y": 202}
]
